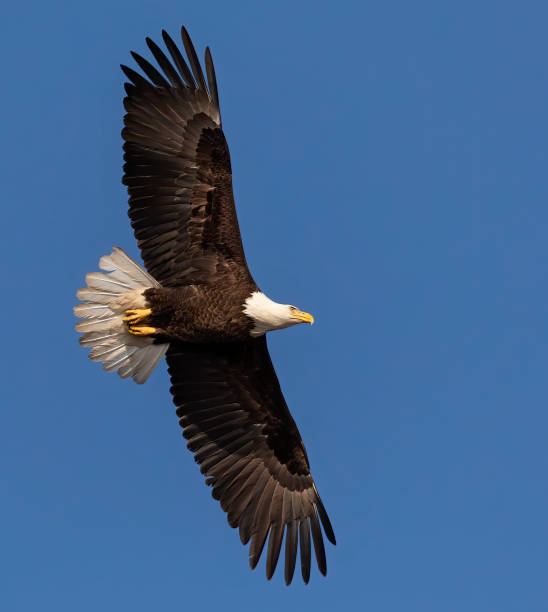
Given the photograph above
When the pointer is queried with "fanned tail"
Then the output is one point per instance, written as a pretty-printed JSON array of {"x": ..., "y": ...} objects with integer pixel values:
[{"x": 105, "y": 300}]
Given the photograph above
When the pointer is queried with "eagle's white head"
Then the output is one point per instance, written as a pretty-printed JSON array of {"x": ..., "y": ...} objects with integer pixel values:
[{"x": 268, "y": 315}]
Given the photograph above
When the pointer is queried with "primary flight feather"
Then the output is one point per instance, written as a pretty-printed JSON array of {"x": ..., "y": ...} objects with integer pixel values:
[{"x": 199, "y": 305}]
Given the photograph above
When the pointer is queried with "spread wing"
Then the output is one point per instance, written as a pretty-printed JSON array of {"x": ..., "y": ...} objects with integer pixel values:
[
  {"x": 238, "y": 426},
  {"x": 177, "y": 170}
]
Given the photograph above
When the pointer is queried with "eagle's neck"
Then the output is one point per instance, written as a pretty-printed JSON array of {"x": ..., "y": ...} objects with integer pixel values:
[{"x": 266, "y": 314}]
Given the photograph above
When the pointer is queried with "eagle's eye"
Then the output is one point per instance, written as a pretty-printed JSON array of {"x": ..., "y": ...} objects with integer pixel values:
[{"x": 292, "y": 308}]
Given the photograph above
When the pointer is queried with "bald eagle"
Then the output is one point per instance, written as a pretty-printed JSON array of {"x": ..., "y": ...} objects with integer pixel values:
[{"x": 198, "y": 305}]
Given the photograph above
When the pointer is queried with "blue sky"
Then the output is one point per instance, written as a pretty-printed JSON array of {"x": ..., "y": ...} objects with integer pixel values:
[{"x": 390, "y": 176}]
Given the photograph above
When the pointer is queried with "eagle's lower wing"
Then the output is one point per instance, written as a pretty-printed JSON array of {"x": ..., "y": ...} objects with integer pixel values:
[
  {"x": 177, "y": 169},
  {"x": 239, "y": 428}
]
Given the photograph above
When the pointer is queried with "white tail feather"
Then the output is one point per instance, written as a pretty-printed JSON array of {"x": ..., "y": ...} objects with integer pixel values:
[{"x": 105, "y": 300}]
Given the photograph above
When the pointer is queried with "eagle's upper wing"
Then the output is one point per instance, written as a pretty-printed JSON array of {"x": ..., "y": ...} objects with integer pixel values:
[
  {"x": 239, "y": 428},
  {"x": 177, "y": 169}
]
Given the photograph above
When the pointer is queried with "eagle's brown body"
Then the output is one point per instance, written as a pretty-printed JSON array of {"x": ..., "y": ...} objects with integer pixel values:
[{"x": 199, "y": 313}]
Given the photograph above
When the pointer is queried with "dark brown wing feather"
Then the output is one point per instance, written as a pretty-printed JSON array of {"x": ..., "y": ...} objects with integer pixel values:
[
  {"x": 239, "y": 428},
  {"x": 177, "y": 170}
]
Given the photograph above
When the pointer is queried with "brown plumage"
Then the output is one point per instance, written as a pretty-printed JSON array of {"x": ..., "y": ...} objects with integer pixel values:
[
  {"x": 199, "y": 313},
  {"x": 204, "y": 309},
  {"x": 237, "y": 423}
]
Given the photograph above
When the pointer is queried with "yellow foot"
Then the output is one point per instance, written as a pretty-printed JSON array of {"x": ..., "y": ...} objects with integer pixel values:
[
  {"x": 136, "y": 316},
  {"x": 141, "y": 330}
]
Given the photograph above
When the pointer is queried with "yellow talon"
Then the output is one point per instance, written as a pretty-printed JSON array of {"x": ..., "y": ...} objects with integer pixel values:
[
  {"x": 141, "y": 330},
  {"x": 136, "y": 316}
]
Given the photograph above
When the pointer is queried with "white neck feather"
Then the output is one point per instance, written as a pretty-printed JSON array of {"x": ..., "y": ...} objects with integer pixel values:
[{"x": 266, "y": 314}]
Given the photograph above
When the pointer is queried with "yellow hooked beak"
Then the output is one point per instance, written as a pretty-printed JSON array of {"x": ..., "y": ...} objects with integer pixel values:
[{"x": 304, "y": 317}]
